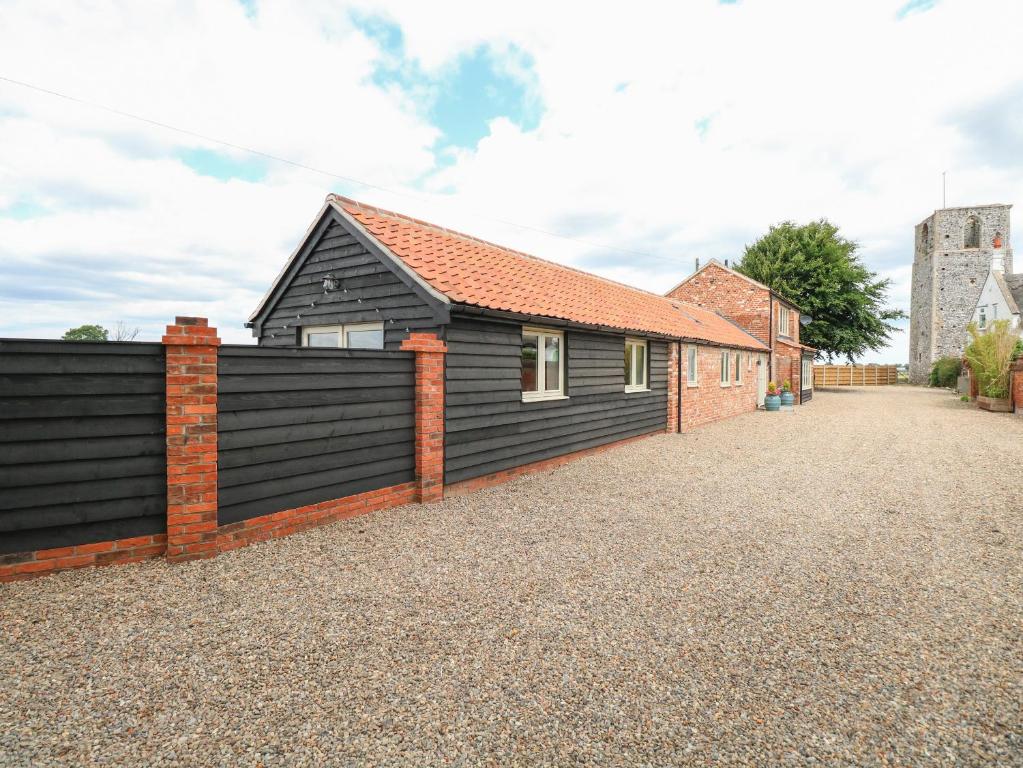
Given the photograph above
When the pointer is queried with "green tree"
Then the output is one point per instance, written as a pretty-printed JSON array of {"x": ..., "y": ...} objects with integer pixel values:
[
  {"x": 86, "y": 333},
  {"x": 818, "y": 269}
]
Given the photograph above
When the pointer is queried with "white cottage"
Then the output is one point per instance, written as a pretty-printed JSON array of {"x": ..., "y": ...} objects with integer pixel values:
[{"x": 1000, "y": 299}]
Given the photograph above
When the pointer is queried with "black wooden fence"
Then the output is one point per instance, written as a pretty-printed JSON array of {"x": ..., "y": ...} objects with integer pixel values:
[
  {"x": 298, "y": 426},
  {"x": 82, "y": 448},
  {"x": 83, "y": 425}
]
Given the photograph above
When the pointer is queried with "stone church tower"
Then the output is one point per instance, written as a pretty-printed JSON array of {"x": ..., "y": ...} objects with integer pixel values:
[{"x": 955, "y": 250}]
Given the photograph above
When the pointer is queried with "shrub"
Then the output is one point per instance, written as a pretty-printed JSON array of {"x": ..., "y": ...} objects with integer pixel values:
[
  {"x": 990, "y": 355},
  {"x": 945, "y": 372}
]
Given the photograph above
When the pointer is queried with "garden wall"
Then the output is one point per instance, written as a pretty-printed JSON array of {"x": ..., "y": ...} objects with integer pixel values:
[
  {"x": 114, "y": 452},
  {"x": 300, "y": 426},
  {"x": 82, "y": 447}
]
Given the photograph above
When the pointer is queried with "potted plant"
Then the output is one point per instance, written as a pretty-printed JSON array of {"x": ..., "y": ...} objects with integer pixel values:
[
  {"x": 773, "y": 400},
  {"x": 787, "y": 398},
  {"x": 989, "y": 356}
]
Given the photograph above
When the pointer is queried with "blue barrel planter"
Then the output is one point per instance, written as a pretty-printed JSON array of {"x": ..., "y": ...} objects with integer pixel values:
[
  {"x": 772, "y": 403},
  {"x": 788, "y": 399}
]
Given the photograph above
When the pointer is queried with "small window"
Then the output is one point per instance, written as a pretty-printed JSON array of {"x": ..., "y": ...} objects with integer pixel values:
[
  {"x": 807, "y": 378},
  {"x": 364, "y": 336},
  {"x": 726, "y": 379},
  {"x": 322, "y": 336},
  {"x": 635, "y": 366},
  {"x": 738, "y": 367},
  {"x": 357, "y": 336},
  {"x": 783, "y": 320},
  {"x": 543, "y": 364},
  {"x": 983, "y": 317},
  {"x": 692, "y": 366},
  {"x": 971, "y": 233}
]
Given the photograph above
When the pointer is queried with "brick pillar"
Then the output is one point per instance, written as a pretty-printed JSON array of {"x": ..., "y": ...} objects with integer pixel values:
[
  {"x": 1016, "y": 386},
  {"x": 430, "y": 353},
  {"x": 673, "y": 360},
  {"x": 191, "y": 353},
  {"x": 974, "y": 384}
]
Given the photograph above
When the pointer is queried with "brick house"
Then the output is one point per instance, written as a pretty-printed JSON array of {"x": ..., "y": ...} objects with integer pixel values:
[{"x": 760, "y": 311}]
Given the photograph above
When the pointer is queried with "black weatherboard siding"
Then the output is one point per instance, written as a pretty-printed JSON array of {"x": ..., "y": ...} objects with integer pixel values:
[
  {"x": 301, "y": 426},
  {"x": 82, "y": 443},
  {"x": 489, "y": 428},
  {"x": 384, "y": 296}
]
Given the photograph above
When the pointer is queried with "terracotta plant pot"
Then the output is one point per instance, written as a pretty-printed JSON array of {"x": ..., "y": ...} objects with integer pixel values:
[{"x": 995, "y": 404}]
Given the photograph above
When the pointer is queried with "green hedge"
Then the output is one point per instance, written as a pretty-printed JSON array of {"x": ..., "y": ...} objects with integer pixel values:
[{"x": 945, "y": 372}]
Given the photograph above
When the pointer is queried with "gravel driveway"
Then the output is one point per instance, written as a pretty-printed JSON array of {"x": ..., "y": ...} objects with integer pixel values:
[{"x": 840, "y": 585}]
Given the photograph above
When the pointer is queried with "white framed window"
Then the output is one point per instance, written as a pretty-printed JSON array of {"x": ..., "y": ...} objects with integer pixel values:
[
  {"x": 806, "y": 381},
  {"x": 636, "y": 365},
  {"x": 738, "y": 367},
  {"x": 692, "y": 366},
  {"x": 543, "y": 364},
  {"x": 784, "y": 321},
  {"x": 353, "y": 336},
  {"x": 983, "y": 318},
  {"x": 726, "y": 379}
]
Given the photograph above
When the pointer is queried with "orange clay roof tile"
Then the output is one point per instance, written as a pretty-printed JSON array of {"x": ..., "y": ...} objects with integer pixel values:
[{"x": 475, "y": 272}]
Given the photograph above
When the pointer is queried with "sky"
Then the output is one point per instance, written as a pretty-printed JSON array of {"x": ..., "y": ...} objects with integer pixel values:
[{"x": 629, "y": 141}]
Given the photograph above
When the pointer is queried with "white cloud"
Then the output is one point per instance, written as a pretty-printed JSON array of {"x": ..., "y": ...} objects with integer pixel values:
[{"x": 811, "y": 109}]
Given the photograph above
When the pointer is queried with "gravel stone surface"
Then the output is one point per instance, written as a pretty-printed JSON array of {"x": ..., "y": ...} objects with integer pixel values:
[{"x": 841, "y": 585}]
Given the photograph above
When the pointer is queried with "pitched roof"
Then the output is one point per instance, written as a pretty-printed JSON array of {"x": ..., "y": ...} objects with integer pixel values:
[
  {"x": 474, "y": 272},
  {"x": 758, "y": 284},
  {"x": 1012, "y": 289}
]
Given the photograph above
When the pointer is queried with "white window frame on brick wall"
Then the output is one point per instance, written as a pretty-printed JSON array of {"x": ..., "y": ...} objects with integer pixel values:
[
  {"x": 726, "y": 360},
  {"x": 693, "y": 365},
  {"x": 784, "y": 321},
  {"x": 637, "y": 376},
  {"x": 806, "y": 380},
  {"x": 738, "y": 368},
  {"x": 542, "y": 393},
  {"x": 342, "y": 332}
]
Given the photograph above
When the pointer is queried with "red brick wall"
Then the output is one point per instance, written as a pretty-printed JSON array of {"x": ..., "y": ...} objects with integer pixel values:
[
  {"x": 289, "y": 521},
  {"x": 430, "y": 353},
  {"x": 191, "y": 351},
  {"x": 720, "y": 290},
  {"x": 26, "y": 565},
  {"x": 708, "y": 401},
  {"x": 788, "y": 364},
  {"x": 672, "y": 417},
  {"x": 1017, "y": 386}
]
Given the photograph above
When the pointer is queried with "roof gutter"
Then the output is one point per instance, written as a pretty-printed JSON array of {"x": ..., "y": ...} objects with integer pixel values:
[{"x": 472, "y": 309}]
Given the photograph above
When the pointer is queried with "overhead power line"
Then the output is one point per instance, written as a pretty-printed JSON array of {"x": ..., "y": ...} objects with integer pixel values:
[{"x": 329, "y": 174}]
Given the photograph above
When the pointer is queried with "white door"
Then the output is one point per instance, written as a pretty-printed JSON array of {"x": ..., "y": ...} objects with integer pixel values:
[{"x": 761, "y": 379}]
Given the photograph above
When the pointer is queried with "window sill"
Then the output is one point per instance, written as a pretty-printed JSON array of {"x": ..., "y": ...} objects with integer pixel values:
[
  {"x": 723, "y": 386},
  {"x": 542, "y": 398},
  {"x": 633, "y": 390},
  {"x": 693, "y": 385}
]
